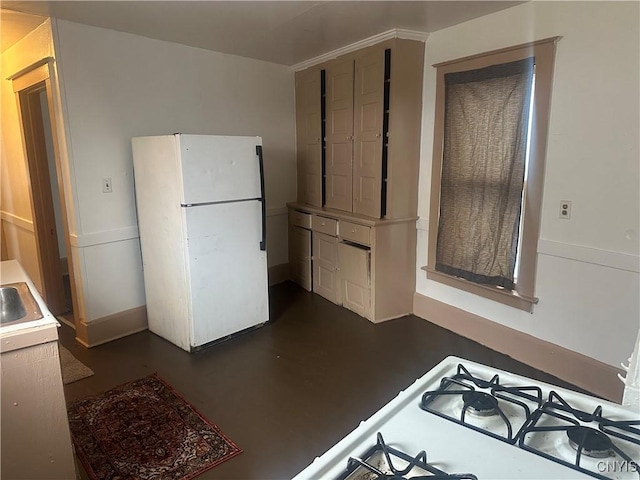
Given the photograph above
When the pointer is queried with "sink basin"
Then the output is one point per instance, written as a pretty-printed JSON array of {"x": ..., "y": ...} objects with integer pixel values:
[{"x": 17, "y": 304}]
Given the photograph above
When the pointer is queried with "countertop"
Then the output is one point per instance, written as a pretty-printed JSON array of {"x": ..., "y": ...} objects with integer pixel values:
[
  {"x": 20, "y": 335},
  {"x": 349, "y": 216}
]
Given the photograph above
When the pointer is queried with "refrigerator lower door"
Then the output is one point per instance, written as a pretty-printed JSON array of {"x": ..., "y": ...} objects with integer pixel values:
[{"x": 227, "y": 269}]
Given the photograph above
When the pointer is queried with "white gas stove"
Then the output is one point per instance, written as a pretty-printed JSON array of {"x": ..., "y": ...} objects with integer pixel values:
[{"x": 463, "y": 420}]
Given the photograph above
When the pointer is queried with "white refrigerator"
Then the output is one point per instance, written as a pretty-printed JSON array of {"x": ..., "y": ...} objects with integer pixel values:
[{"x": 201, "y": 218}]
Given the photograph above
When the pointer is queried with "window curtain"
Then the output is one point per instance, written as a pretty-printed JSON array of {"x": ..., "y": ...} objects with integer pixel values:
[{"x": 483, "y": 165}]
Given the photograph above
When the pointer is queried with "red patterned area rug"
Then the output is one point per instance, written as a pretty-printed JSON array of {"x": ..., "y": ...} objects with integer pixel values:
[{"x": 145, "y": 430}]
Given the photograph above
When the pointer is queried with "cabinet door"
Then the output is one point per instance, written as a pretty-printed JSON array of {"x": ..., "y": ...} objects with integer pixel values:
[
  {"x": 325, "y": 267},
  {"x": 339, "y": 132},
  {"x": 368, "y": 118},
  {"x": 309, "y": 132},
  {"x": 300, "y": 256},
  {"x": 355, "y": 275}
]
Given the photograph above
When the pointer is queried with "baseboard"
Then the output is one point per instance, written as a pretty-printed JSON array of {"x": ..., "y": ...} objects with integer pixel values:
[
  {"x": 67, "y": 322},
  {"x": 278, "y": 274},
  {"x": 111, "y": 327},
  {"x": 585, "y": 372}
]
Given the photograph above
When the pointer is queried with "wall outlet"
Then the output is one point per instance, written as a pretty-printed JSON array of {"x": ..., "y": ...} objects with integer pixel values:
[
  {"x": 107, "y": 186},
  {"x": 565, "y": 209}
]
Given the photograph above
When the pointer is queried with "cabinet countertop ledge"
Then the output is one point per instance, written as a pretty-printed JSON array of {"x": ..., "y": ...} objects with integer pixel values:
[
  {"x": 38, "y": 331},
  {"x": 348, "y": 216}
]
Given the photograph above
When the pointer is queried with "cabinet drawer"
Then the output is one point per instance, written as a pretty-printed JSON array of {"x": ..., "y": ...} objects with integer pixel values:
[
  {"x": 299, "y": 219},
  {"x": 325, "y": 225},
  {"x": 355, "y": 233}
]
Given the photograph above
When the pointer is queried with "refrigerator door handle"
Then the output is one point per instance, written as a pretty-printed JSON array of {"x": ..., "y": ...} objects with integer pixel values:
[{"x": 263, "y": 242}]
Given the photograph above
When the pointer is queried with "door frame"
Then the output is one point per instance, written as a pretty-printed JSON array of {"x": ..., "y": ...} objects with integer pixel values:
[{"x": 28, "y": 83}]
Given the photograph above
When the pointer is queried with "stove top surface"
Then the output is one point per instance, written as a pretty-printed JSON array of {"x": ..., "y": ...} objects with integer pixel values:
[{"x": 489, "y": 423}]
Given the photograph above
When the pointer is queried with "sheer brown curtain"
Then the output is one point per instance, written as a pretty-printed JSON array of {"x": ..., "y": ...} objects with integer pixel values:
[{"x": 485, "y": 135}]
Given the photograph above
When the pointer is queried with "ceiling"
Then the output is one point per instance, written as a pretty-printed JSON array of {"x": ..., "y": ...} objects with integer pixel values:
[
  {"x": 15, "y": 25},
  {"x": 286, "y": 32}
]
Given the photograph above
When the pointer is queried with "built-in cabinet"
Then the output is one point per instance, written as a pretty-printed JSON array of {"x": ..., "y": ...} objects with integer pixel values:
[
  {"x": 300, "y": 256},
  {"x": 358, "y": 130},
  {"x": 355, "y": 277},
  {"x": 338, "y": 148},
  {"x": 309, "y": 128},
  {"x": 355, "y": 99},
  {"x": 35, "y": 436},
  {"x": 326, "y": 279},
  {"x": 366, "y": 265},
  {"x": 352, "y": 235}
]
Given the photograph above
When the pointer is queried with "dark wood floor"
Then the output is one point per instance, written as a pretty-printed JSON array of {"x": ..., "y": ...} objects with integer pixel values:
[{"x": 288, "y": 391}]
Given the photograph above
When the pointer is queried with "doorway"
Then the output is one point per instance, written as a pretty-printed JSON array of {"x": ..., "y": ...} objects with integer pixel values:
[{"x": 47, "y": 192}]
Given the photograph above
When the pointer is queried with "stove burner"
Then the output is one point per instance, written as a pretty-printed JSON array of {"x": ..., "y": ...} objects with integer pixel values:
[
  {"x": 616, "y": 439},
  {"x": 500, "y": 411},
  {"x": 480, "y": 403},
  {"x": 382, "y": 462},
  {"x": 594, "y": 443}
]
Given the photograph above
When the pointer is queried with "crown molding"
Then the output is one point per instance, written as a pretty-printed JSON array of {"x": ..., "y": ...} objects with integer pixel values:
[
  {"x": 411, "y": 34},
  {"x": 367, "y": 42}
]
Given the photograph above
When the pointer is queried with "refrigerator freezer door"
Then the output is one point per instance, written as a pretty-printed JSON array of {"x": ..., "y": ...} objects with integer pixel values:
[
  {"x": 219, "y": 168},
  {"x": 227, "y": 269}
]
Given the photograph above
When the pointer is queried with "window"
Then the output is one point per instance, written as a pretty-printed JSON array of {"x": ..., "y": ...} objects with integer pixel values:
[{"x": 490, "y": 136}]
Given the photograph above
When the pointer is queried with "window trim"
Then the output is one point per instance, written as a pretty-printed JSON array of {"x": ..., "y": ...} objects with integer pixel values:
[{"x": 523, "y": 297}]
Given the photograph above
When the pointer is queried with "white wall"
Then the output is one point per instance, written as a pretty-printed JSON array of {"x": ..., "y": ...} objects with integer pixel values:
[
  {"x": 15, "y": 196},
  {"x": 587, "y": 274},
  {"x": 117, "y": 86}
]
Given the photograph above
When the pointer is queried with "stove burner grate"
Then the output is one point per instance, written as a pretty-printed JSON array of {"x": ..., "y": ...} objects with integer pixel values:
[
  {"x": 556, "y": 415},
  {"x": 522, "y": 399},
  {"x": 415, "y": 468}
]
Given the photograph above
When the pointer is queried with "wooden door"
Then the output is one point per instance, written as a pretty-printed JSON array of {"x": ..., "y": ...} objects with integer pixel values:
[
  {"x": 325, "y": 267},
  {"x": 35, "y": 92},
  {"x": 339, "y": 133},
  {"x": 300, "y": 256},
  {"x": 309, "y": 133},
  {"x": 368, "y": 119},
  {"x": 355, "y": 278}
]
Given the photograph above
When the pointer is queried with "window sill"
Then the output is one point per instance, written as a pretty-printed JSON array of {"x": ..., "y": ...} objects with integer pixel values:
[{"x": 510, "y": 298}]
